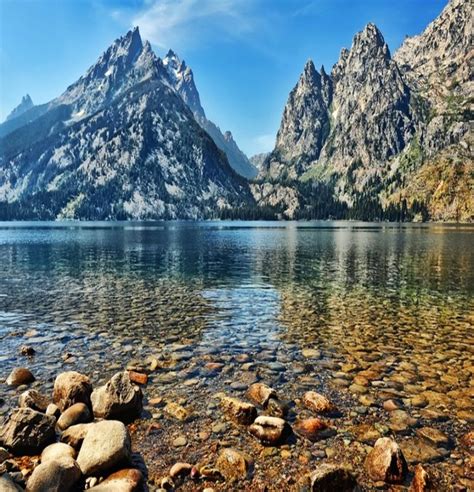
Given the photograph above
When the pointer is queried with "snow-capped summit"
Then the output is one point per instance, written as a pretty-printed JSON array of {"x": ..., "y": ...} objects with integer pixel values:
[{"x": 25, "y": 104}]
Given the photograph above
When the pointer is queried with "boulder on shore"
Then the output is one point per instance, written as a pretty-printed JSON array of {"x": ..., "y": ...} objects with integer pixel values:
[
  {"x": 106, "y": 444},
  {"x": 27, "y": 431},
  {"x": 75, "y": 435},
  {"x": 56, "y": 451},
  {"x": 33, "y": 399},
  {"x": 127, "y": 480},
  {"x": 78, "y": 413},
  {"x": 71, "y": 387},
  {"x": 58, "y": 475},
  {"x": 117, "y": 399}
]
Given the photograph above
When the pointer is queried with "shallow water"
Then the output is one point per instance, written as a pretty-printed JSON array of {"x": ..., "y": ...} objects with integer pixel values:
[{"x": 396, "y": 301}]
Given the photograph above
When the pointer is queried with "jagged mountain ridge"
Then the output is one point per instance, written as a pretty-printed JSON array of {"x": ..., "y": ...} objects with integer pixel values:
[
  {"x": 387, "y": 117},
  {"x": 118, "y": 143},
  {"x": 183, "y": 79},
  {"x": 26, "y": 103}
]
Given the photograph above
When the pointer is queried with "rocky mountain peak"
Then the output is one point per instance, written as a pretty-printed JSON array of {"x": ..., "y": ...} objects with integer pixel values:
[
  {"x": 369, "y": 43},
  {"x": 25, "y": 104},
  {"x": 126, "y": 62},
  {"x": 182, "y": 79},
  {"x": 371, "y": 113},
  {"x": 304, "y": 126},
  {"x": 310, "y": 75},
  {"x": 442, "y": 53}
]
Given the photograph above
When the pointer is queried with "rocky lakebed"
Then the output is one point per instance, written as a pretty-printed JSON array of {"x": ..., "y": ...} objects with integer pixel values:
[{"x": 136, "y": 415}]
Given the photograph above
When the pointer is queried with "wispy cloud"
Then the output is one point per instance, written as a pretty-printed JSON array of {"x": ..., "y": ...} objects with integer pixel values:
[
  {"x": 263, "y": 143},
  {"x": 311, "y": 7},
  {"x": 179, "y": 23}
]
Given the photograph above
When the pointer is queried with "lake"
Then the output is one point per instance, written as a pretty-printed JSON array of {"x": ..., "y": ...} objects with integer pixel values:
[{"x": 364, "y": 313}]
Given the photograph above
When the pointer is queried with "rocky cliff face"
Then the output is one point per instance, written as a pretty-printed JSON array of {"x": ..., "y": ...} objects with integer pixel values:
[
  {"x": 304, "y": 126},
  {"x": 437, "y": 66},
  {"x": 183, "y": 80},
  {"x": 118, "y": 143},
  {"x": 378, "y": 122},
  {"x": 25, "y": 104},
  {"x": 371, "y": 118}
]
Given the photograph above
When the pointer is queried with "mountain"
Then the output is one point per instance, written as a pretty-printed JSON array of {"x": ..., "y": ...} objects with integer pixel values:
[
  {"x": 257, "y": 160},
  {"x": 304, "y": 126},
  {"x": 25, "y": 104},
  {"x": 118, "y": 143},
  {"x": 368, "y": 135},
  {"x": 183, "y": 81}
]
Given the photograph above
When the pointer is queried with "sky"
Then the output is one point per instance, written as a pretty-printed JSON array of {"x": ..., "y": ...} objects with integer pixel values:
[{"x": 246, "y": 55}]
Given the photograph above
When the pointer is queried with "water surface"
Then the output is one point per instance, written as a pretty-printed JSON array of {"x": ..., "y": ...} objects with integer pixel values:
[{"x": 386, "y": 308}]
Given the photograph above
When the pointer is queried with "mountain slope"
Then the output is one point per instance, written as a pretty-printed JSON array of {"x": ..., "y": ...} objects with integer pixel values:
[
  {"x": 182, "y": 78},
  {"x": 119, "y": 143},
  {"x": 380, "y": 126}
]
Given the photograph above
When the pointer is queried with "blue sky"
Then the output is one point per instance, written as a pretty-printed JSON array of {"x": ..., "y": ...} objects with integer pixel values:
[{"x": 246, "y": 54}]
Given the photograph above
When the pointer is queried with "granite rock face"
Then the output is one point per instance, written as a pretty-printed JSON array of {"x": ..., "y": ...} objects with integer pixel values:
[{"x": 382, "y": 132}]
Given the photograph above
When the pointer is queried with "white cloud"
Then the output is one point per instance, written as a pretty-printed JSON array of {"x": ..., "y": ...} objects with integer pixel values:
[{"x": 179, "y": 23}]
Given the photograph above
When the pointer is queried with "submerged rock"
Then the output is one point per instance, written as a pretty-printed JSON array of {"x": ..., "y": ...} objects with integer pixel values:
[
  {"x": 177, "y": 411},
  {"x": 269, "y": 430},
  {"x": 27, "y": 431},
  {"x": 386, "y": 462},
  {"x": 433, "y": 436},
  {"x": 233, "y": 464},
  {"x": 317, "y": 403},
  {"x": 105, "y": 445},
  {"x": 19, "y": 376},
  {"x": 27, "y": 351},
  {"x": 71, "y": 387},
  {"x": 260, "y": 394},
  {"x": 239, "y": 411},
  {"x": 118, "y": 399},
  {"x": 180, "y": 469},
  {"x": 331, "y": 478},
  {"x": 313, "y": 429},
  {"x": 421, "y": 480}
]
